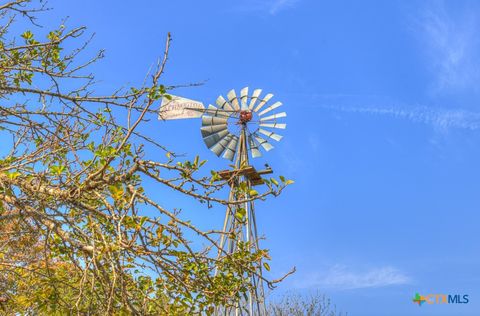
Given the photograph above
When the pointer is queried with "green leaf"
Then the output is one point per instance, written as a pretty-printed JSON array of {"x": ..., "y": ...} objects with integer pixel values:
[
  {"x": 215, "y": 176},
  {"x": 129, "y": 222},
  {"x": 116, "y": 191},
  {"x": 27, "y": 35},
  {"x": 266, "y": 266},
  {"x": 242, "y": 186},
  {"x": 159, "y": 231},
  {"x": 13, "y": 175},
  {"x": 57, "y": 170},
  {"x": 240, "y": 213},
  {"x": 274, "y": 181}
]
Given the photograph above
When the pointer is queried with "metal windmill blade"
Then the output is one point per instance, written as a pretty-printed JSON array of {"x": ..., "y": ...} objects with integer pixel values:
[
  {"x": 232, "y": 98},
  {"x": 231, "y": 148},
  {"x": 273, "y": 117},
  {"x": 270, "y": 108},
  {"x": 221, "y": 145},
  {"x": 263, "y": 102},
  {"x": 212, "y": 139},
  {"x": 272, "y": 135},
  {"x": 243, "y": 98},
  {"x": 263, "y": 142},
  {"x": 211, "y": 120},
  {"x": 254, "y": 98},
  {"x": 273, "y": 125},
  {"x": 223, "y": 104},
  {"x": 255, "y": 152},
  {"x": 212, "y": 129},
  {"x": 212, "y": 110}
]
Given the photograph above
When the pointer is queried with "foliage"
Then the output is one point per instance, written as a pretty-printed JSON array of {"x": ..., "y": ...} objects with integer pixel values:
[
  {"x": 314, "y": 304},
  {"x": 74, "y": 234}
]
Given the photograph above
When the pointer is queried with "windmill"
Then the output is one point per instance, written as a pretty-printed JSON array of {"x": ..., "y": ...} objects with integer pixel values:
[{"x": 237, "y": 128}]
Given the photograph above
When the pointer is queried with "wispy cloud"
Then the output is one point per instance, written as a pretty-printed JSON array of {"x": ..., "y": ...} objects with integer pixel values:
[
  {"x": 452, "y": 45},
  {"x": 441, "y": 119},
  {"x": 313, "y": 142},
  {"x": 272, "y": 7},
  {"x": 278, "y": 5},
  {"x": 343, "y": 278},
  {"x": 290, "y": 158}
]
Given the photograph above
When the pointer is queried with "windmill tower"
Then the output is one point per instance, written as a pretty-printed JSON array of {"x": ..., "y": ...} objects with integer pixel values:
[{"x": 236, "y": 129}]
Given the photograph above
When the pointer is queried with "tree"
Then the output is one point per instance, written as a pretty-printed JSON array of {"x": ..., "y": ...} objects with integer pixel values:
[
  {"x": 72, "y": 170},
  {"x": 314, "y": 304}
]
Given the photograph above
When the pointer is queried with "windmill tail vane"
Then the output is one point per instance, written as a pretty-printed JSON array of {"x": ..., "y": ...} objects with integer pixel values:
[{"x": 236, "y": 127}]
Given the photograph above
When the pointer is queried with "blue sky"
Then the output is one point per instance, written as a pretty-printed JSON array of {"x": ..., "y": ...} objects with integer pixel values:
[{"x": 382, "y": 140}]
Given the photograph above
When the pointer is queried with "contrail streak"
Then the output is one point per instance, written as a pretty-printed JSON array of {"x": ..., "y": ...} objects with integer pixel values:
[{"x": 440, "y": 118}]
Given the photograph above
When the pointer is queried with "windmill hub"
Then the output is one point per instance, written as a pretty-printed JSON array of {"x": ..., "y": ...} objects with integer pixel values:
[{"x": 245, "y": 116}]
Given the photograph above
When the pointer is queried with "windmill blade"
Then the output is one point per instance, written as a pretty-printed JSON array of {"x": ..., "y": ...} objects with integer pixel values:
[
  {"x": 220, "y": 146},
  {"x": 231, "y": 149},
  {"x": 232, "y": 98},
  {"x": 211, "y": 140},
  {"x": 255, "y": 95},
  {"x": 263, "y": 142},
  {"x": 272, "y": 135},
  {"x": 273, "y": 125},
  {"x": 217, "y": 112},
  {"x": 243, "y": 98},
  {"x": 264, "y": 100},
  {"x": 212, "y": 129},
  {"x": 254, "y": 148},
  {"x": 273, "y": 117},
  {"x": 270, "y": 108},
  {"x": 209, "y": 120},
  {"x": 214, "y": 111},
  {"x": 223, "y": 104}
]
